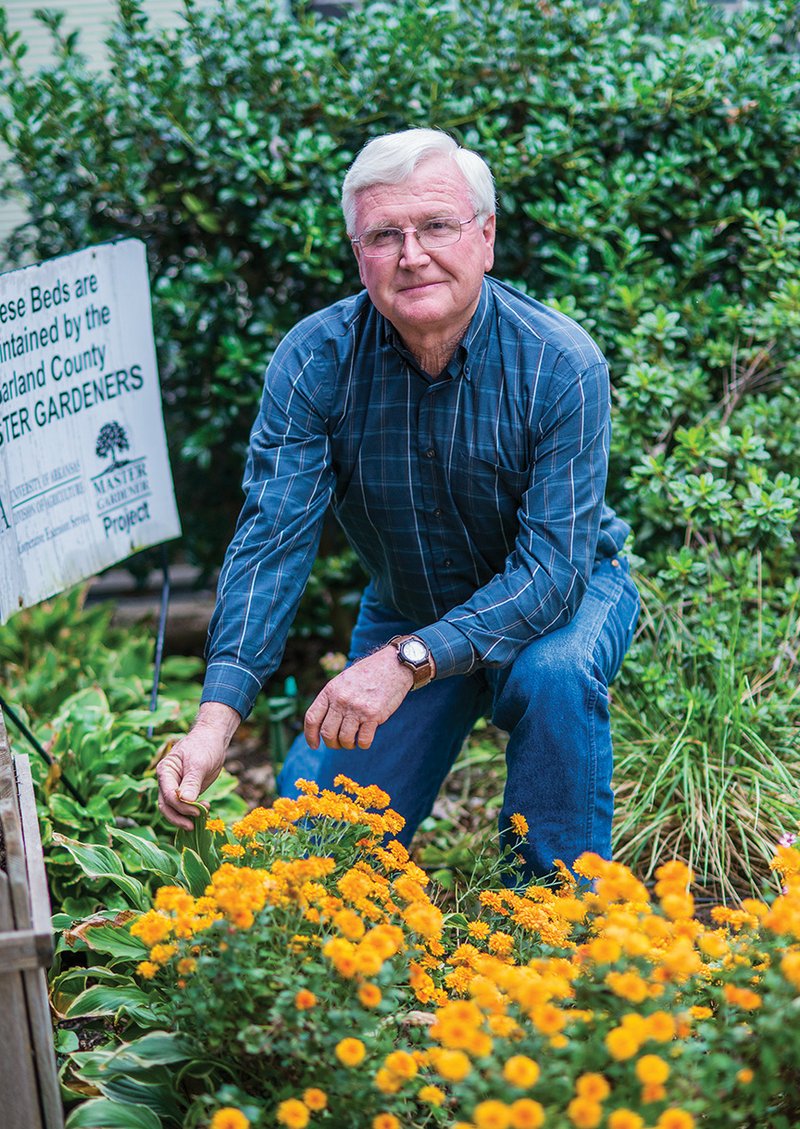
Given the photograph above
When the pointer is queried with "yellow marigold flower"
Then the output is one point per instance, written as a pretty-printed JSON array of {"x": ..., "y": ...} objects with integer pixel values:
[
  {"x": 315, "y": 1099},
  {"x": 653, "y": 1092},
  {"x": 369, "y": 995},
  {"x": 651, "y": 1068},
  {"x": 293, "y": 1114},
  {"x": 625, "y": 1119},
  {"x": 387, "y": 1082},
  {"x": 585, "y": 1114},
  {"x": 152, "y": 927},
  {"x": 368, "y": 961},
  {"x": 162, "y": 953},
  {"x": 215, "y": 825},
  {"x": 677, "y": 906},
  {"x": 432, "y": 1095},
  {"x": 621, "y": 1044},
  {"x": 424, "y": 918},
  {"x": 526, "y": 1114},
  {"x": 519, "y": 825},
  {"x": 548, "y": 1019},
  {"x": 521, "y": 1071},
  {"x": 385, "y": 1121},
  {"x": 661, "y": 1026},
  {"x": 147, "y": 969},
  {"x": 675, "y": 1119},
  {"x": 186, "y": 966},
  {"x": 232, "y": 850},
  {"x": 479, "y": 929},
  {"x": 628, "y": 986},
  {"x": 790, "y": 967},
  {"x": 307, "y": 787},
  {"x": 402, "y": 1064},
  {"x": 492, "y": 1115},
  {"x": 350, "y": 1052},
  {"x": 742, "y": 997},
  {"x": 305, "y": 1000},
  {"x": 452, "y": 1065},
  {"x": 350, "y": 924},
  {"x": 593, "y": 1087},
  {"x": 501, "y": 944},
  {"x": 229, "y": 1118},
  {"x": 697, "y": 1011}
]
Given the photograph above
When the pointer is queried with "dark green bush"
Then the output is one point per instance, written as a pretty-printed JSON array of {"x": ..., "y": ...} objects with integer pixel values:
[{"x": 646, "y": 157}]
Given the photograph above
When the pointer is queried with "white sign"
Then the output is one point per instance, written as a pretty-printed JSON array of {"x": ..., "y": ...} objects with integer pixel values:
[{"x": 84, "y": 472}]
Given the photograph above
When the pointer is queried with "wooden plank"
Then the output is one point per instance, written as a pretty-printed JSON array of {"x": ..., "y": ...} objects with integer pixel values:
[
  {"x": 22, "y": 948},
  {"x": 16, "y": 869},
  {"x": 41, "y": 1024},
  {"x": 17, "y": 1076}
]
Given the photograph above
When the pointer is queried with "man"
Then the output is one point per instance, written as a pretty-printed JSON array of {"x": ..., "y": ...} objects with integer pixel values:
[{"x": 460, "y": 430}]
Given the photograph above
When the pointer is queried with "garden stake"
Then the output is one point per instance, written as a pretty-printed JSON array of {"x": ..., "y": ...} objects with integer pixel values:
[
  {"x": 22, "y": 727},
  {"x": 162, "y": 630}
]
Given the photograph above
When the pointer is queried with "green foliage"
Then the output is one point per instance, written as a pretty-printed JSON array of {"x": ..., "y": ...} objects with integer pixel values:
[
  {"x": 645, "y": 156},
  {"x": 82, "y": 686}
]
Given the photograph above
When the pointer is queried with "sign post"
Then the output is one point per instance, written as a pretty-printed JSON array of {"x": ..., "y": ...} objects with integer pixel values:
[{"x": 84, "y": 471}]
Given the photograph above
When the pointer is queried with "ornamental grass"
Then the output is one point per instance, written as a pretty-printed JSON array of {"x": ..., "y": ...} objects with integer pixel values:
[{"x": 313, "y": 980}]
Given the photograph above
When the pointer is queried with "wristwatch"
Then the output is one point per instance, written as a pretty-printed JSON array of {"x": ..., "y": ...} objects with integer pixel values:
[{"x": 413, "y": 653}]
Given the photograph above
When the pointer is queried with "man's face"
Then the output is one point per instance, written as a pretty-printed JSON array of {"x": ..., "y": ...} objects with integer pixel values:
[{"x": 428, "y": 296}]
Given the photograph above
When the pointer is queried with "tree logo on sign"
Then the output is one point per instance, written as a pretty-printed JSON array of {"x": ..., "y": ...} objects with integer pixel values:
[{"x": 112, "y": 438}]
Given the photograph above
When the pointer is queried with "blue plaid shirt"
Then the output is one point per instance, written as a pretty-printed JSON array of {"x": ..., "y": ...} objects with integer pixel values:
[{"x": 474, "y": 499}]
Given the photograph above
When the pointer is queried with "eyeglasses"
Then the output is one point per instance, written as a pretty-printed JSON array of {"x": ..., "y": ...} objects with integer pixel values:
[{"x": 441, "y": 231}]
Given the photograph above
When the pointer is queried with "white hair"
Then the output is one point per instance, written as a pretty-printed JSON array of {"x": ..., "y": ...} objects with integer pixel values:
[{"x": 392, "y": 158}]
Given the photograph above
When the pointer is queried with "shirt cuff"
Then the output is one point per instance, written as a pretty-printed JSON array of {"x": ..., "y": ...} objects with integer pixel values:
[
  {"x": 452, "y": 651},
  {"x": 233, "y": 685}
]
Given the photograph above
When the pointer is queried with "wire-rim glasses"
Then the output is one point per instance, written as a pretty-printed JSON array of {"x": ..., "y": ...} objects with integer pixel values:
[{"x": 439, "y": 231}]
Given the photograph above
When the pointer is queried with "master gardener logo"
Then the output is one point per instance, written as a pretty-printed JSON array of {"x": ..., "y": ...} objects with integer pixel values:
[{"x": 121, "y": 489}]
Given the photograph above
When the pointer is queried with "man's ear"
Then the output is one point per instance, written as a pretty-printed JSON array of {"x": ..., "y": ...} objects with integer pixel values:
[
  {"x": 488, "y": 232},
  {"x": 360, "y": 261}
]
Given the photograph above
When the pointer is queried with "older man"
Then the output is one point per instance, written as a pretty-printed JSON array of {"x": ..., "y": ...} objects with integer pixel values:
[{"x": 460, "y": 430}]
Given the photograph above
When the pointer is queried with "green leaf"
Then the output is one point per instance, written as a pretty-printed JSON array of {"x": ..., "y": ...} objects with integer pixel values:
[
  {"x": 157, "y": 1048},
  {"x": 158, "y": 860},
  {"x": 199, "y": 840},
  {"x": 115, "y": 940},
  {"x": 195, "y": 872},
  {"x": 100, "y": 1113},
  {"x": 102, "y": 999},
  {"x": 94, "y": 859}
]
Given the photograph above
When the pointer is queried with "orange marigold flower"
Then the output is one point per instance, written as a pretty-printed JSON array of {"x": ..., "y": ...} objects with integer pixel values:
[
  {"x": 501, "y": 944},
  {"x": 151, "y": 927},
  {"x": 621, "y": 1044},
  {"x": 293, "y": 1114},
  {"x": 350, "y": 1052},
  {"x": 147, "y": 969},
  {"x": 548, "y": 1019},
  {"x": 229, "y": 1118},
  {"x": 304, "y": 1000},
  {"x": 628, "y": 986},
  {"x": 519, "y": 825},
  {"x": 745, "y": 1076},
  {"x": 526, "y": 1114},
  {"x": 661, "y": 1026},
  {"x": 369, "y": 995},
  {"x": 491, "y": 1115},
  {"x": 521, "y": 1071},
  {"x": 315, "y": 1099},
  {"x": 232, "y": 850},
  {"x": 675, "y": 1119},
  {"x": 653, "y": 1092},
  {"x": 402, "y": 1064},
  {"x": 651, "y": 1068},
  {"x": 387, "y": 1082},
  {"x": 790, "y": 967},
  {"x": 585, "y": 1114},
  {"x": 385, "y": 1121},
  {"x": 452, "y": 1065},
  {"x": 186, "y": 966},
  {"x": 594, "y": 1087},
  {"x": 432, "y": 1095},
  {"x": 742, "y": 997},
  {"x": 479, "y": 930},
  {"x": 625, "y": 1119}
]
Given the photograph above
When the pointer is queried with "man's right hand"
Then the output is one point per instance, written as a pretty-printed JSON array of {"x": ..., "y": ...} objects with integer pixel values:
[{"x": 195, "y": 762}]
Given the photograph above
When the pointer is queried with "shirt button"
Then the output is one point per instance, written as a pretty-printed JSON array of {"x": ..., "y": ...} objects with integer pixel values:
[
  {"x": 437, "y": 512},
  {"x": 430, "y": 453},
  {"x": 448, "y": 563}
]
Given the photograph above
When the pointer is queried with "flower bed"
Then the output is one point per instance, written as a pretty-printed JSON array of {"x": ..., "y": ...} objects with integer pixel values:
[{"x": 300, "y": 973}]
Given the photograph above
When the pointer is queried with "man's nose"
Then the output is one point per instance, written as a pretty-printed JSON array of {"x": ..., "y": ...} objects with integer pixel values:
[{"x": 412, "y": 251}]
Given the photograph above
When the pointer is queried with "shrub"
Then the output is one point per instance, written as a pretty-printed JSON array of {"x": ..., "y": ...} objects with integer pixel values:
[{"x": 291, "y": 978}]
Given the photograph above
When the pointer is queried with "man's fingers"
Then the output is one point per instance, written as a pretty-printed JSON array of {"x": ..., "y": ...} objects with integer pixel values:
[
  {"x": 366, "y": 734},
  {"x": 347, "y": 731},
  {"x": 315, "y": 715},
  {"x": 329, "y": 730},
  {"x": 171, "y": 814}
]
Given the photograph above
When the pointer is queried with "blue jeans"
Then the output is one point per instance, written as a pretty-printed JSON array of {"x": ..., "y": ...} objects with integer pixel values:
[{"x": 553, "y": 702}]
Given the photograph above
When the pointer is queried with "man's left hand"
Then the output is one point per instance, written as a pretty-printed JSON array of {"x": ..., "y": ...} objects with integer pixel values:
[{"x": 350, "y": 708}]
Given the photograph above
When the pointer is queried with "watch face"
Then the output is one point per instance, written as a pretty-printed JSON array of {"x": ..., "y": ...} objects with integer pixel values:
[{"x": 414, "y": 650}]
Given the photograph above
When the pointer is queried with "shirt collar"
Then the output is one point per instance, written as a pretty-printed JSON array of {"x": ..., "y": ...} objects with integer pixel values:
[{"x": 465, "y": 360}]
